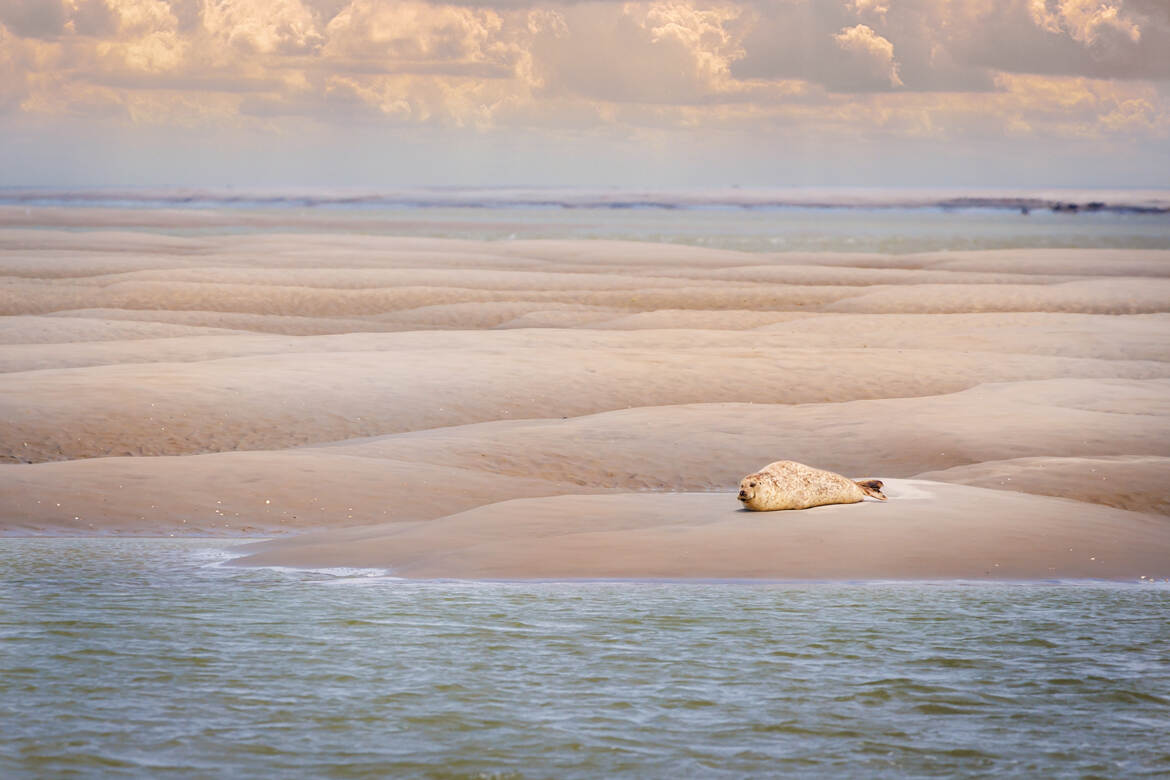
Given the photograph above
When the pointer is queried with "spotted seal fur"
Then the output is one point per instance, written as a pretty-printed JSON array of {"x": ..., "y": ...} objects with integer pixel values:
[{"x": 786, "y": 484}]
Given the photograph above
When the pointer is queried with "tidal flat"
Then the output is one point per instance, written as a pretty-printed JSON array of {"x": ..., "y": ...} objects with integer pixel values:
[{"x": 447, "y": 493}]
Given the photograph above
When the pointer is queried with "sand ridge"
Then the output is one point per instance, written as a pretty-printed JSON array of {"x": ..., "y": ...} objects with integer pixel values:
[
  {"x": 923, "y": 532},
  {"x": 400, "y": 396}
]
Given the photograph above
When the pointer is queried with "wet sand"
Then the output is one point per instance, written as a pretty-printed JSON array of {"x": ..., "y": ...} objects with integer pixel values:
[{"x": 586, "y": 408}]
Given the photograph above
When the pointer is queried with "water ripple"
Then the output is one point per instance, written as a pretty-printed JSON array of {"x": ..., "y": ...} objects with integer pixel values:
[{"x": 132, "y": 658}]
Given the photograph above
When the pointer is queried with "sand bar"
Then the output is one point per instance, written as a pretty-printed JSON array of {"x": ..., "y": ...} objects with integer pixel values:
[
  {"x": 390, "y": 398},
  {"x": 926, "y": 530}
]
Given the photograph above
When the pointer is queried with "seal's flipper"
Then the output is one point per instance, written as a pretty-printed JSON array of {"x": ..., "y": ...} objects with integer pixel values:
[{"x": 873, "y": 487}]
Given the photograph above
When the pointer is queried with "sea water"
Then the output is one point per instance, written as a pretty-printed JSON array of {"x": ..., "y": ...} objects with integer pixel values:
[
  {"x": 755, "y": 220},
  {"x": 152, "y": 658},
  {"x": 790, "y": 229}
]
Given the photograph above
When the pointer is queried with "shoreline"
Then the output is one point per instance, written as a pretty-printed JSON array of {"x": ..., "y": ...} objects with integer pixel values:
[
  {"x": 1068, "y": 200},
  {"x": 340, "y": 573},
  {"x": 925, "y": 531}
]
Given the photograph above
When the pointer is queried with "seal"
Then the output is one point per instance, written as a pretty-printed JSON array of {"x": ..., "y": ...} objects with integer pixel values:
[{"x": 787, "y": 484}]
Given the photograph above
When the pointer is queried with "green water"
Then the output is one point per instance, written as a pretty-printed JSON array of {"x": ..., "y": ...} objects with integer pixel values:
[{"x": 149, "y": 658}]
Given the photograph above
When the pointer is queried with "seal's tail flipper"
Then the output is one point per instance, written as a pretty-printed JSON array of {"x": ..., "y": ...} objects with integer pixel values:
[{"x": 873, "y": 487}]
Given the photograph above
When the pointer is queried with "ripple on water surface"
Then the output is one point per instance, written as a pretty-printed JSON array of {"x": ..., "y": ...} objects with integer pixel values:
[{"x": 137, "y": 657}]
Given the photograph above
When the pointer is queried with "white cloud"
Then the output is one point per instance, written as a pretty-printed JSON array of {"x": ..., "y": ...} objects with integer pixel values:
[
  {"x": 877, "y": 8},
  {"x": 871, "y": 49},
  {"x": 1085, "y": 21},
  {"x": 264, "y": 26},
  {"x": 900, "y": 68}
]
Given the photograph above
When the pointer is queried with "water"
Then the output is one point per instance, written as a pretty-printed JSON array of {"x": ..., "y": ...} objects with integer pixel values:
[
  {"x": 893, "y": 231},
  {"x": 764, "y": 220},
  {"x": 144, "y": 658}
]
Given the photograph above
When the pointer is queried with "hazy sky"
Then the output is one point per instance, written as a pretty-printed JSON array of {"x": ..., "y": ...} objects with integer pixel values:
[{"x": 754, "y": 92}]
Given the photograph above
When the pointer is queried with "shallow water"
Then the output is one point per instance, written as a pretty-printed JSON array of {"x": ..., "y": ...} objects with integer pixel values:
[
  {"x": 147, "y": 658},
  {"x": 885, "y": 229},
  {"x": 895, "y": 231}
]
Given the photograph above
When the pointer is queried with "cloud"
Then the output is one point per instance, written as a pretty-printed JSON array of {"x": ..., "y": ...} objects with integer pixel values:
[
  {"x": 958, "y": 45},
  {"x": 658, "y": 53},
  {"x": 13, "y": 73},
  {"x": 823, "y": 43},
  {"x": 263, "y": 26},
  {"x": 208, "y": 81},
  {"x": 871, "y": 52},
  {"x": 1086, "y": 21},
  {"x": 876, "y": 8},
  {"x": 33, "y": 18},
  {"x": 1129, "y": 40},
  {"x": 418, "y": 32},
  {"x": 629, "y": 69}
]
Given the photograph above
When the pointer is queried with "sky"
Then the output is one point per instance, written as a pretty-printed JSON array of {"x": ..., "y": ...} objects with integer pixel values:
[{"x": 889, "y": 93}]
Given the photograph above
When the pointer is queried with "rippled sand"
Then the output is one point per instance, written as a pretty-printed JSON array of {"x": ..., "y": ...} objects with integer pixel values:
[{"x": 515, "y": 409}]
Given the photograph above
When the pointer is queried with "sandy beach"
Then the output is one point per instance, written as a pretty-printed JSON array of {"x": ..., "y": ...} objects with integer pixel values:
[{"x": 564, "y": 408}]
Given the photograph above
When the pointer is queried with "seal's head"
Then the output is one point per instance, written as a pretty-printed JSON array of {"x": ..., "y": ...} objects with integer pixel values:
[{"x": 748, "y": 487}]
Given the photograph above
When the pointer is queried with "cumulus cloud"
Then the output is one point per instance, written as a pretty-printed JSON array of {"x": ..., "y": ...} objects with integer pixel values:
[
  {"x": 1087, "y": 21},
  {"x": 1129, "y": 40},
  {"x": 878, "y": 8},
  {"x": 958, "y": 45},
  {"x": 910, "y": 68},
  {"x": 263, "y": 26},
  {"x": 835, "y": 46},
  {"x": 658, "y": 53},
  {"x": 416, "y": 31},
  {"x": 871, "y": 52}
]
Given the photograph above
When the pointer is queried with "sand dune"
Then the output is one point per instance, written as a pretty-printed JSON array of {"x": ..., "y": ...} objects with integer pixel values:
[
  {"x": 781, "y": 273},
  {"x": 1090, "y": 262},
  {"x": 1137, "y": 337},
  {"x": 1098, "y": 296},
  {"x": 703, "y": 447},
  {"x": 218, "y": 320},
  {"x": 1134, "y": 482},
  {"x": 1020, "y": 262},
  {"x": 579, "y": 408},
  {"x": 246, "y": 492},
  {"x": 709, "y": 446},
  {"x": 23, "y": 332},
  {"x": 377, "y": 278},
  {"x": 925, "y": 531},
  {"x": 270, "y": 401}
]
